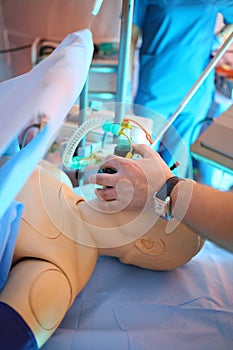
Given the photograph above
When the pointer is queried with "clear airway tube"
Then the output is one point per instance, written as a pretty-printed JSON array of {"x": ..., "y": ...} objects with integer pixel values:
[
  {"x": 77, "y": 137},
  {"x": 95, "y": 10}
]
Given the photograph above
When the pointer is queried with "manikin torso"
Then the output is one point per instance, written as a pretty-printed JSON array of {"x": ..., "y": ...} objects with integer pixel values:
[{"x": 59, "y": 241}]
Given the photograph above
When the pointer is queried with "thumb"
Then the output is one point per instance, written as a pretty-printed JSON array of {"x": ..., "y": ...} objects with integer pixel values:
[{"x": 143, "y": 150}]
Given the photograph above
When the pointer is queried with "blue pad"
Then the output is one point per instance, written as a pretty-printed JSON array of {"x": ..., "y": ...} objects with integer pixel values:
[{"x": 9, "y": 225}]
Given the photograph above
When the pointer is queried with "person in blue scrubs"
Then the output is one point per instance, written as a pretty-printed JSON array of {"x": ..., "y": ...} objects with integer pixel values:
[{"x": 177, "y": 43}]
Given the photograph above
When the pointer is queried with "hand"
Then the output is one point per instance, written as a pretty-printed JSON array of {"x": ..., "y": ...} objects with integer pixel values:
[{"x": 135, "y": 181}]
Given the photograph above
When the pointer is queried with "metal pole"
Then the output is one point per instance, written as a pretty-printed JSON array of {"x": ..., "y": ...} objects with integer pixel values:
[
  {"x": 194, "y": 88},
  {"x": 123, "y": 59},
  {"x": 83, "y": 99}
]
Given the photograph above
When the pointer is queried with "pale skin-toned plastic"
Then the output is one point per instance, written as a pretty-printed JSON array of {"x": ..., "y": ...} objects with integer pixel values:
[{"x": 60, "y": 239}]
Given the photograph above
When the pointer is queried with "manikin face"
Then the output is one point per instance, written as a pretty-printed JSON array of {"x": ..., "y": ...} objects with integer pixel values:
[{"x": 141, "y": 239}]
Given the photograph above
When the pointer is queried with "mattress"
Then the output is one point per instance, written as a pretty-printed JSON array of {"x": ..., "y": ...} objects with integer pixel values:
[{"x": 125, "y": 307}]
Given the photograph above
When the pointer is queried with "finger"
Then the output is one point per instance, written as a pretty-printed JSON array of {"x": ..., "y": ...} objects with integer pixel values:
[
  {"x": 143, "y": 150},
  {"x": 106, "y": 207},
  {"x": 122, "y": 192},
  {"x": 113, "y": 162},
  {"x": 92, "y": 179},
  {"x": 109, "y": 157},
  {"x": 102, "y": 179},
  {"x": 106, "y": 194},
  {"x": 111, "y": 206}
]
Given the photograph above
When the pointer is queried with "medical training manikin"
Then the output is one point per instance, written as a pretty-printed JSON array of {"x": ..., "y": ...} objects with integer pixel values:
[{"x": 59, "y": 241}]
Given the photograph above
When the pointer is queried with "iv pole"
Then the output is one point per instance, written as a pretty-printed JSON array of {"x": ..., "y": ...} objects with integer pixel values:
[
  {"x": 123, "y": 59},
  {"x": 84, "y": 93}
]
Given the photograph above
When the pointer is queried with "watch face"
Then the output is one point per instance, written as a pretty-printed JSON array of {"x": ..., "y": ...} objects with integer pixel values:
[{"x": 162, "y": 208}]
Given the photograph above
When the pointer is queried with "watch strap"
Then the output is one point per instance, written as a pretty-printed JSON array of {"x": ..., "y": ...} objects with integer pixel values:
[{"x": 167, "y": 188}]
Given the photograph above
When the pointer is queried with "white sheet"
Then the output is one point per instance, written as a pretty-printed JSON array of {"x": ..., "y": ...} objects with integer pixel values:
[
  {"x": 50, "y": 88},
  {"x": 125, "y": 307}
]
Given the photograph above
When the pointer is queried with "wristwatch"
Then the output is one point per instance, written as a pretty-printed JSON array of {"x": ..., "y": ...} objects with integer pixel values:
[{"x": 162, "y": 199}]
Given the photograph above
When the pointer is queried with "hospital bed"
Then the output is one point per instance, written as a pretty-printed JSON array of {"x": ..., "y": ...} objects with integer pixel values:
[{"x": 126, "y": 307}]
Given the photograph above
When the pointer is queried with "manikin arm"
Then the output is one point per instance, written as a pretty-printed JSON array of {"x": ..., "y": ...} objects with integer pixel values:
[{"x": 49, "y": 268}]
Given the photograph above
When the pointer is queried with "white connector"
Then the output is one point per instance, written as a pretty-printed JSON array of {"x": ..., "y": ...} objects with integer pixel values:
[{"x": 96, "y": 7}]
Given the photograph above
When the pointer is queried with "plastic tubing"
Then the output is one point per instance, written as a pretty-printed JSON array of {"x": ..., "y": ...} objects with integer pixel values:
[
  {"x": 77, "y": 137},
  {"x": 95, "y": 10}
]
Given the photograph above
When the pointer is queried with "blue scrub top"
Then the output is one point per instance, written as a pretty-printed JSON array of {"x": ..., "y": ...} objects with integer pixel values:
[{"x": 177, "y": 41}]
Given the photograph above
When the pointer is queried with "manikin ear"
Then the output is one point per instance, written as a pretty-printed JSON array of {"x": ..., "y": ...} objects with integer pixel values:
[
  {"x": 151, "y": 247},
  {"x": 144, "y": 253}
]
